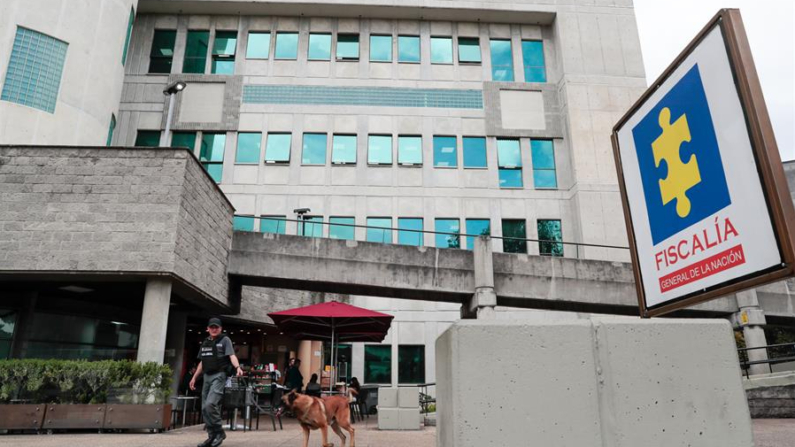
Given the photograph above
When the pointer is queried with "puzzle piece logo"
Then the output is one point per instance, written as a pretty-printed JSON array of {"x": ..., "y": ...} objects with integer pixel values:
[{"x": 679, "y": 159}]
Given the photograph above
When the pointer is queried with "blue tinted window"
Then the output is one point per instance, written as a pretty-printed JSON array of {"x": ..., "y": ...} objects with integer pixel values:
[
  {"x": 510, "y": 178},
  {"x": 277, "y": 149},
  {"x": 196, "y": 46},
  {"x": 508, "y": 153},
  {"x": 533, "y": 59},
  {"x": 319, "y": 47},
  {"x": 348, "y": 46},
  {"x": 273, "y": 224},
  {"x": 343, "y": 149},
  {"x": 111, "y": 128},
  {"x": 543, "y": 153},
  {"x": 147, "y": 138},
  {"x": 516, "y": 232},
  {"x": 215, "y": 170},
  {"x": 479, "y": 227},
  {"x": 224, "y": 49},
  {"x": 448, "y": 240},
  {"x": 34, "y": 70},
  {"x": 501, "y": 60},
  {"x": 377, "y": 235},
  {"x": 381, "y": 48},
  {"x": 341, "y": 231},
  {"x": 445, "y": 153},
  {"x": 286, "y": 46},
  {"x": 314, "y": 152},
  {"x": 259, "y": 45},
  {"x": 379, "y": 149},
  {"x": 410, "y": 237},
  {"x": 184, "y": 139},
  {"x": 162, "y": 53},
  {"x": 469, "y": 49},
  {"x": 248, "y": 145},
  {"x": 475, "y": 152},
  {"x": 441, "y": 50},
  {"x": 410, "y": 150},
  {"x": 212, "y": 147},
  {"x": 243, "y": 223},
  {"x": 363, "y": 96},
  {"x": 129, "y": 34},
  {"x": 312, "y": 226},
  {"x": 408, "y": 49},
  {"x": 550, "y": 235}
]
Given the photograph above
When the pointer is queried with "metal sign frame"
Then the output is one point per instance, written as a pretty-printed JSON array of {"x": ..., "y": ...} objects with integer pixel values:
[{"x": 768, "y": 161}]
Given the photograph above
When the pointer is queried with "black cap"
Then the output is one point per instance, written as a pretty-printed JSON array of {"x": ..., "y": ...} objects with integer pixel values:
[{"x": 214, "y": 322}]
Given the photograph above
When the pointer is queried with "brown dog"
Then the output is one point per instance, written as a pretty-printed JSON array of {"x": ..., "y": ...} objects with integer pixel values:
[{"x": 314, "y": 413}]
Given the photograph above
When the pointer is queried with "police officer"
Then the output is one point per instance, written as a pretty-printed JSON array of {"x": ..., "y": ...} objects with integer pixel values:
[{"x": 218, "y": 361}]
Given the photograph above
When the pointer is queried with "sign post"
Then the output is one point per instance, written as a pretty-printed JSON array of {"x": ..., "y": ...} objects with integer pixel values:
[{"x": 706, "y": 201}]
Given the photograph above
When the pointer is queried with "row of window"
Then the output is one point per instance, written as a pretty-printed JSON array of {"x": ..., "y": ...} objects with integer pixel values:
[
  {"x": 319, "y": 48},
  {"x": 380, "y": 150},
  {"x": 378, "y": 363},
  {"x": 409, "y": 231}
]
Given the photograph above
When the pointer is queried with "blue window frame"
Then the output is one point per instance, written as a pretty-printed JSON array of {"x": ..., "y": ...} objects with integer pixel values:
[
  {"x": 211, "y": 154},
  {"x": 380, "y": 48},
  {"x": 319, "y": 47},
  {"x": 533, "y": 60},
  {"x": 127, "y": 38},
  {"x": 410, "y": 237},
  {"x": 543, "y": 152},
  {"x": 314, "y": 151},
  {"x": 286, "y": 46},
  {"x": 34, "y": 71},
  {"x": 501, "y": 60},
  {"x": 469, "y": 50},
  {"x": 224, "y": 49},
  {"x": 479, "y": 227},
  {"x": 243, "y": 223},
  {"x": 273, "y": 224},
  {"x": 343, "y": 149},
  {"x": 441, "y": 50},
  {"x": 550, "y": 237},
  {"x": 448, "y": 240},
  {"x": 338, "y": 228},
  {"x": 516, "y": 229},
  {"x": 277, "y": 148},
  {"x": 408, "y": 49},
  {"x": 509, "y": 159},
  {"x": 475, "y": 152},
  {"x": 347, "y": 47},
  {"x": 196, "y": 45},
  {"x": 445, "y": 152},
  {"x": 259, "y": 45},
  {"x": 248, "y": 145},
  {"x": 162, "y": 54},
  {"x": 409, "y": 150},
  {"x": 379, "y": 149},
  {"x": 377, "y": 234},
  {"x": 312, "y": 226}
]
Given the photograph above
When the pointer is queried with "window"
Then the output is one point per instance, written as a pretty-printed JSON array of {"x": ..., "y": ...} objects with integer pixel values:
[
  {"x": 408, "y": 48},
  {"x": 277, "y": 149},
  {"x": 550, "y": 237},
  {"x": 411, "y": 364},
  {"x": 445, "y": 154},
  {"x": 339, "y": 230},
  {"x": 343, "y": 149},
  {"x": 196, "y": 51},
  {"x": 533, "y": 59},
  {"x": 377, "y": 234},
  {"x": 259, "y": 45},
  {"x": 480, "y": 227},
  {"x": 312, "y": 226},
  {"x": 344, "y": 353},
  {"x": 243, "y": 223},
  {"x": 380, "y": 48},
  {"x": 162, "y": 53},
  {"x": 377, "y": 364},
  {"x": 286, "y": 46},
  {"x": 111, "y": 128},
  {"x": 347, "y": 47},
  {"x": 475, "y": 152},
  {"x": 514, "y": 228},
  {"x": 248, "y": 145},
  {"x": 211, "y": 155},
  {"x": 441, "y": 50},
  {"x": 509, "y": 158},
  {"x": 469, "y": 50},
  {"x": 448, "y": 240},
  {"x": 148, "y": 138},
  {"x": 59, "y": 336},
  {"x": 501, "y": 60},
  {"x": 379, "y": 149},
  {"x": 410, "y": 237},
  {"x": 8, "y": 320},
  {"x": 184, "y": 139},
  {"x": 314, "y": 152},
  {"x": 273, "y": 224},
  {"x": 224, "y": 52},
  {"x": 319, "y": 47},
  {"x": 34, "y": 70},
  {"x": 409, "y": 150},
  {"x": 127, "y": 38},
  {"x": 543, "y": 152}
]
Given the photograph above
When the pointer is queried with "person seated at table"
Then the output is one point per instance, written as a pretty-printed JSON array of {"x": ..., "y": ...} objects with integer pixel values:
[
  {"x": 184, "y": 387},
  {"x": 313, "y": 388},
  {"x": 354, "y": 388},
  {"x": 294, "y": 380}
]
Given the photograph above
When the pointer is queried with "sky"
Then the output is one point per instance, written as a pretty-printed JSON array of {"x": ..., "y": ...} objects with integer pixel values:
[{"x": 667, "y": 26}]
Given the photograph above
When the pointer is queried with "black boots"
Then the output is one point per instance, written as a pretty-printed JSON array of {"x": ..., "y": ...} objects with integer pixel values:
[
  {"x": 207, "y": 442},
  {"x": 218, "y": 439}
]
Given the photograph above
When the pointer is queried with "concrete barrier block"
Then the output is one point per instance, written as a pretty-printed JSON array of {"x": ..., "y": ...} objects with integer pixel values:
[
  {"x": 409, "y": 418},
  {"x": 408, "y": 397},
  {"x": 605, "y": 382},
  {"x": 388, "y": 397},
  {"x": 388, "y": 418}
]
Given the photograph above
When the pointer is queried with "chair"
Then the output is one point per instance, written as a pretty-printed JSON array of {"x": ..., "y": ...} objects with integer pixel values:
[{"x": 268, "y": 400}]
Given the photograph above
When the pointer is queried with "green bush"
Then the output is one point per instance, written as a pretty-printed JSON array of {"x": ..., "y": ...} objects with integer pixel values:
[{"x": 84, "y": 382}]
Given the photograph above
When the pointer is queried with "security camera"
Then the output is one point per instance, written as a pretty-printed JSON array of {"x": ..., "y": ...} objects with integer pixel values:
[{"x": 300, "y": 211}]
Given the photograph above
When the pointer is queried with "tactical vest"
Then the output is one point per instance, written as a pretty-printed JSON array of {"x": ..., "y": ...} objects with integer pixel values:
[{"x": 213, "y": 358}]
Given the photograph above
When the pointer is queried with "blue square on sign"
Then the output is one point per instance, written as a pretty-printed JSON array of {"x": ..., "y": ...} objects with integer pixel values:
[{"x": 679, "y": 160}]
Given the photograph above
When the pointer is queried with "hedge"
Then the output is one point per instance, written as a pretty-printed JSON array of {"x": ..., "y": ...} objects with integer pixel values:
[{"x": 84, "y": 382}]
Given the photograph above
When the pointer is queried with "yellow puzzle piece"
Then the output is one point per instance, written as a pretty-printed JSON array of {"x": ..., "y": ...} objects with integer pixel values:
[{"x": 681, "y": 176}]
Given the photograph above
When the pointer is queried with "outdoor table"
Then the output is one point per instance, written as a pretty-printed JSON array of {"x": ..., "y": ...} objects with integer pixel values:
[{"x": 185, "y": 406}]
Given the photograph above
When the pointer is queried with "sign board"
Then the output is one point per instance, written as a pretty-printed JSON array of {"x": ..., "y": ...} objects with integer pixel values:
[{"x": 706, "y": 202}]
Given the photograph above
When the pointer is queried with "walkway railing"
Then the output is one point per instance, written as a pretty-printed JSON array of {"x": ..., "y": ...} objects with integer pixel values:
[{"x": 780, "y": 353}]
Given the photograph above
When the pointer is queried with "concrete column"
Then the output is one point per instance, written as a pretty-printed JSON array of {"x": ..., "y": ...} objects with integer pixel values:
[
  {"x": 305, "y": 355},
  {"x": 154, "y": 320},
  {"x": 482, "y": 303},
  {"x": 175, "y": 347},
  {"x": 22, "y": 332},
  {"x": 751, "y": 318}
]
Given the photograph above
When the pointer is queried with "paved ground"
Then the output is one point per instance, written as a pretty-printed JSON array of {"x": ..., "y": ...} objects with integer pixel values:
[{"x": 767, "y": 432}]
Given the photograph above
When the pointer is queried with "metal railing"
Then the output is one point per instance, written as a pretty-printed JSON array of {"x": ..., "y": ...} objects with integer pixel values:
[
  {"x": 425, "y": 398},
  {"x": 779, "y": 353}
]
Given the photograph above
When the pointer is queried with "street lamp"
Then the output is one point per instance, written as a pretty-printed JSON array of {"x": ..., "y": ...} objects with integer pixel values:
[
  {"x": 171, "y": 90},
  {"x": 301, "y": 212}
]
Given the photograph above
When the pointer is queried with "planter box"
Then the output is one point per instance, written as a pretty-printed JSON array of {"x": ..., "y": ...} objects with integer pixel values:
[
  {"x": 21, "y": 417},
  {"x": 61, "y": 416},
  {"x": 153, "y": 417}
]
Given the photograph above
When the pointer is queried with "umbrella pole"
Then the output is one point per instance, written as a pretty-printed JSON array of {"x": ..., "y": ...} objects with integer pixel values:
[{"x": 333, "y": 371}]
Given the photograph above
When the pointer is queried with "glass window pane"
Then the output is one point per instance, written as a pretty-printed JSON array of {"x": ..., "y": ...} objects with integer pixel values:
[
  {"x": 215, "y": 170},
  {"x": 126, "y": 39},
  {"x": 381, "y": 48},
  {"x": 8, "y": 320},
  {"x": 475, "y": 152},
  {"x": 550, "y": 235},
  {"x": 514, "y": 228},
  {"x": 535, "y": 74},
  {"x": 148, "y": 138},
  {"x": 243, "y": 223},
  {"x": 225, "y": 43},
  {"x": 533, "y": 57},
  {"x": 314, "y": 152},
  {"x": 319, "y": 47},
  {"x": 545, "y": 178},
  {"x": 468, "y": 49},
  {"x": 111, "y": 128},
  {"x": 445, "y": 153},
  {"x": 377, "y": 364},
  {"x": 448, "y": 240},
  {"x": 212, "y": 147},
  {"x": 480, "y": 227},
  {"x": 273, "y": 224},
  {"x": 411, "y": 364},
  {"x": 543, "y": 154},
  {"x": 343, "y": 149},
  {"x": 248, "y": 145},
  {"x": 339, "y": 231},
  {"x": 259, "y": 45},
  {"x": 162, "y": 51},
  {"x": 441, "y": 50},
  {"x": 509, "y": 154},
  {"x": 312, "y": 226},
  {"x": 277, "y": 149},
  {"x": 286, "y": 46},
  {"x": 348, "y": 46},
  {"x": 222, "y": 66},
  {"x": 410, "y": 237},
  {"x": 377, "y": 235},
  {"x": 408, "y": 49},
  {"x": 501, "y": 60},
  {"x": 196, "y": 51},
  {"x": 184, "y": 139},
  {"x": 410, "y": 150},
  {"x": 510, "y": 178},
  {"x": 379, "y": 149}
]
